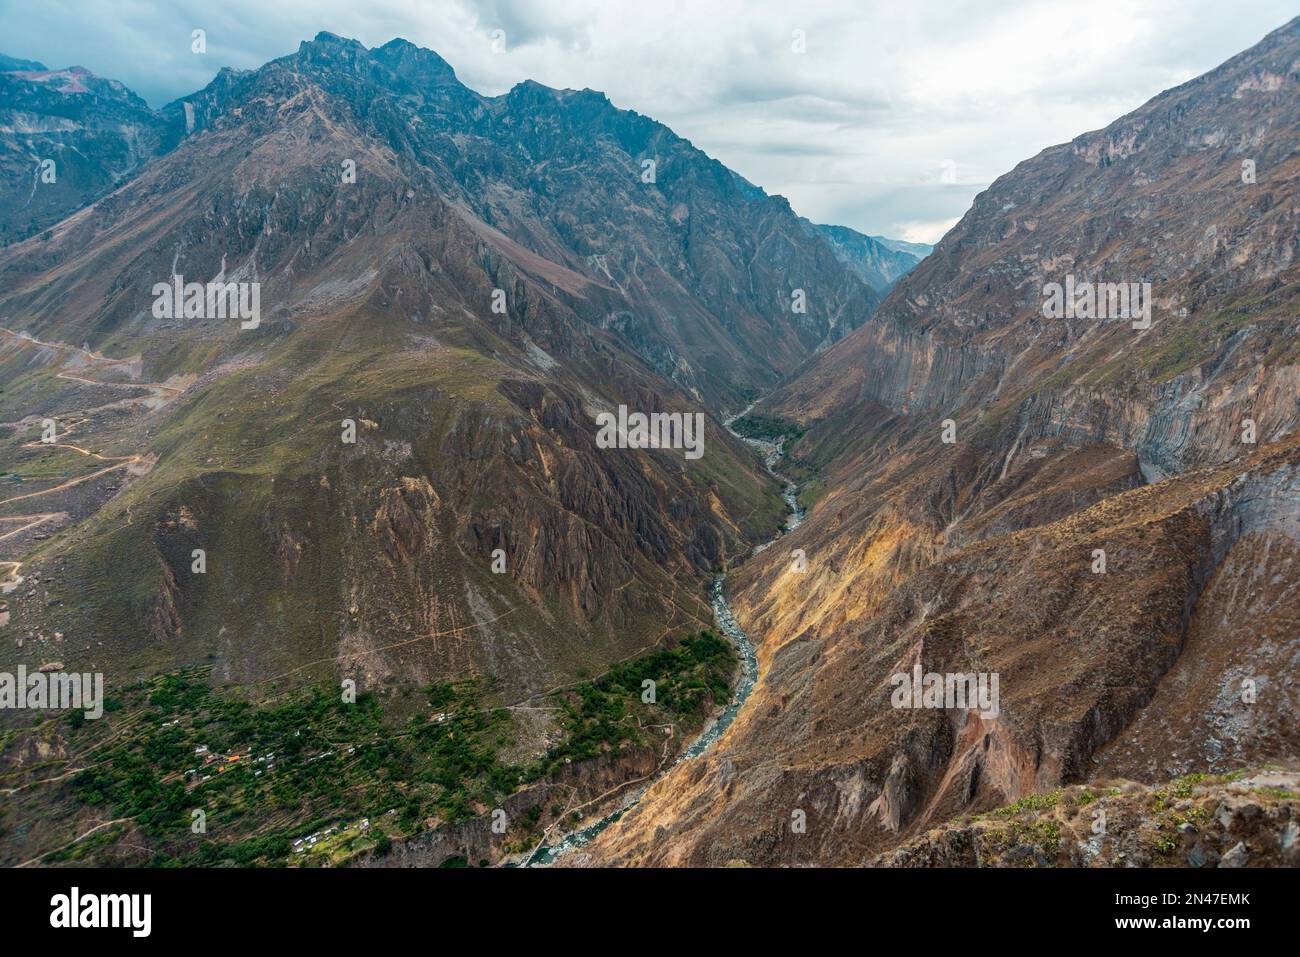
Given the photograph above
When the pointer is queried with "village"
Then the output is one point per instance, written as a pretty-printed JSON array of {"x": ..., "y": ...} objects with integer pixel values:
[
  {"x": 214, "y": 762},
  {"x": 317, "y": 840}
]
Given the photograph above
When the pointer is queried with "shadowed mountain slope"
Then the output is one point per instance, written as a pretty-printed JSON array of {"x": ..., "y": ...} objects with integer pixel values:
[
  {"x": 468, "y": 281},
  {"x": 67, "y": 137},
  {"x": 879, "y": 262}
]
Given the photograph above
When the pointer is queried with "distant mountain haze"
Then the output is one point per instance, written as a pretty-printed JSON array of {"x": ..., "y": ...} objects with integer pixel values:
[{"x": 878, "y": 261}]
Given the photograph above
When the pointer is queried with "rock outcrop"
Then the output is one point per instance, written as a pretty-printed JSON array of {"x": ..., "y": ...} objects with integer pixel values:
[{"x": 1101, "y": 516}]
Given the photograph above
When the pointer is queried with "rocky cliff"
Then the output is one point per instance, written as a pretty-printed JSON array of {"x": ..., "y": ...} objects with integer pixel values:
[
  {"x": 67, "y": 137},
  {"x": 880, "y": 262},
  {"x": 985, "y": 472}
]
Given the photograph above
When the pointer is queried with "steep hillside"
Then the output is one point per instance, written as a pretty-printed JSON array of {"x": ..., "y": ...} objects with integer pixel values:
[
  {"x": 67, "y": 137},
  {"x": 475, "y": 424},
  {"x": 391, "y": 472},
  {"x": 1159, "y": 197},
  {"x": 1235, "y": 820},
  {"x": 979, "y": 470},
  {"x": 879, "y": 262}
]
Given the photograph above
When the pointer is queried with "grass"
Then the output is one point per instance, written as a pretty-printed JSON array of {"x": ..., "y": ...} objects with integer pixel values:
[{"x": 1281, "y": 794}]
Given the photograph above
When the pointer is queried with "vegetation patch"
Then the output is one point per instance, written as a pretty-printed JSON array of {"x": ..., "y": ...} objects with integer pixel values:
[
  {"x": 1030, "y": 802},
  {"x": 209, "y": 778},
  {"x": 768, "y": 428}
]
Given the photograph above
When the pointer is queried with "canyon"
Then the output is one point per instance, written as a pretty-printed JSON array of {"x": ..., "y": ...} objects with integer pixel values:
[
  {"x": 394, "y": 478},
  {"x": 1170, "y": 453}
]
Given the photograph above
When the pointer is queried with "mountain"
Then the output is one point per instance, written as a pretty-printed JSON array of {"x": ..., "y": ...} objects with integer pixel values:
[
  {"x": 1098, "y": 506},
  {"x": 391, "y": 473},
  {"x": 880, "y": 263},
  {"x": 919, "y": 250},
  {"x": 10, "y": 64},
  {"x": 67, "y": 137},
  {"x": 377, "y": 297}
]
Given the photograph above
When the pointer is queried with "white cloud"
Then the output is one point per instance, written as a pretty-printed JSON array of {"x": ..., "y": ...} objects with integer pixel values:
[
  {"x": 854, "y": 131},
  {"x": 926, "y": 232}
]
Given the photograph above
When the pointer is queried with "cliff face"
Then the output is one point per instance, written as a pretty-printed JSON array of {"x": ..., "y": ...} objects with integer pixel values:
[
  {"x": 981, "y": 470},
  {"x": 1083, "y": 661},
  {"x": 880, "y": 263},
  {"x": 1158, "y": 197},
  {"x": 67, "y": 137}
]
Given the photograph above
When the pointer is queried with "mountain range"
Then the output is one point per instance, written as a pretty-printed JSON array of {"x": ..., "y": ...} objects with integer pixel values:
[{"x": 388, "y": 473}]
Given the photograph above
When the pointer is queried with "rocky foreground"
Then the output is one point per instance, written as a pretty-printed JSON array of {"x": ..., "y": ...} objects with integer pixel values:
[{"x": 1238, "y": 820}]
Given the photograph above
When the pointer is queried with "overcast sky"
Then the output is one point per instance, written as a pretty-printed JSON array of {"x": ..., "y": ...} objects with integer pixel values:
[{"x": 892, "y": 120}]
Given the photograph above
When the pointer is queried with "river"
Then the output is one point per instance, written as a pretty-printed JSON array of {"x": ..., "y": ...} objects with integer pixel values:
[{"x": 547, "y": 853}]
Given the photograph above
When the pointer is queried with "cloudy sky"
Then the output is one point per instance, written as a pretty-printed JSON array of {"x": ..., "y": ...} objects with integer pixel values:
[{"x": 892, "y": 119}]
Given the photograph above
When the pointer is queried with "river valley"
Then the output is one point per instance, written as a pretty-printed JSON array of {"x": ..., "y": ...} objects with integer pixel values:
[{"x": 549, "y": 851}]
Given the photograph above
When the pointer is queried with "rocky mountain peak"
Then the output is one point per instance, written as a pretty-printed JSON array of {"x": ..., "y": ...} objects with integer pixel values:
[{"x": 421, "y": 67}]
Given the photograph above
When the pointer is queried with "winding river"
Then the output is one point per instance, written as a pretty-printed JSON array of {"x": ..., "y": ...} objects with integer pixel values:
[{"x": 547, "y": 853}]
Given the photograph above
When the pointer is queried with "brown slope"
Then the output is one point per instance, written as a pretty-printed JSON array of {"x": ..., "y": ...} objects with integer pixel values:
[
  {"x": 977, "y": 556},
  {"x": 1078, "y": 655},
  {"x": 1237, "y": 820},
  {"x": 1156, "y": 196},
  {"x": 475, "y": 431}
]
